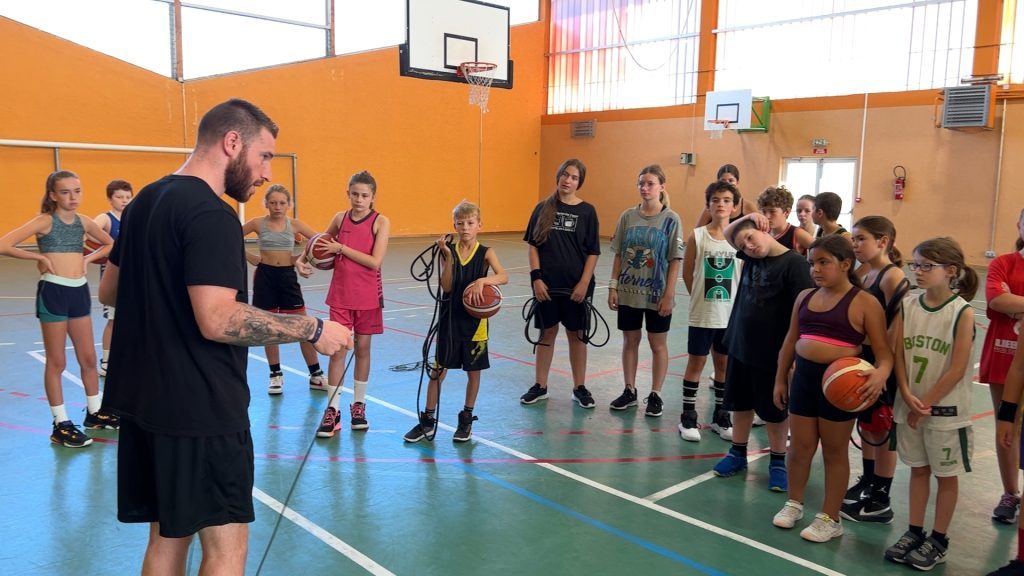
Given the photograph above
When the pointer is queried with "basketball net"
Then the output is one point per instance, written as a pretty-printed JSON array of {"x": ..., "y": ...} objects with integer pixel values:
[
  {"x": 721, "y": 127},
  {"x": 479, "y": 76}
]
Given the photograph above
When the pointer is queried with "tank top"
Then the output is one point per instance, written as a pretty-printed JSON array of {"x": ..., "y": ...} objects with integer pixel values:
[
  {"x": 453, "y": 321},
  {"x": 716, "y": 278},
  {"x": 354, "y": 286},
  {"x": 831, "y": 326},
  {"x": 788, "y": 238},
  {"x": 63, "y": 238},
  {"x": 892, "y": 307},
  {"x": 115, "y": 225},
  {"x": 270, "y": 240}
]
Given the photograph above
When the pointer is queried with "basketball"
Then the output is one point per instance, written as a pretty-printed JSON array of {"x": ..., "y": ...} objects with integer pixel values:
[
  {"x": 90, "y": 247},
  {"x": 490, "y": 305},
  {"x": 317, "y": 255},
  {"x": 841, "y": 384}
]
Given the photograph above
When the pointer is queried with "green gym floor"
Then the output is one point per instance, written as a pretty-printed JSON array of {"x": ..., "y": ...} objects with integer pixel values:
[{"x": 543, "y": 489}]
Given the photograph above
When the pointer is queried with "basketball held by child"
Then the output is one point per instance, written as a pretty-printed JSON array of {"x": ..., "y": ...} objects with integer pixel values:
[
  {"x": 317, "y": 254},
  {"x": 488, "y": 306},
  {"x": 91, "y": 246},
  {"x": 842, "y": 381}
]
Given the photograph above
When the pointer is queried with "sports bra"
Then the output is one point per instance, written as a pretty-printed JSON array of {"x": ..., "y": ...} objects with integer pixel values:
[
  {"x": 270, "y": 240},
  {"x": 64, "y": 238},
  {"x": 831, "y": 326}
]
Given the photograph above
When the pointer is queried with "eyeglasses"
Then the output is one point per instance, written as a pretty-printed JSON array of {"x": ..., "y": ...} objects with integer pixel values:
[{"x": 926, "y": 267}]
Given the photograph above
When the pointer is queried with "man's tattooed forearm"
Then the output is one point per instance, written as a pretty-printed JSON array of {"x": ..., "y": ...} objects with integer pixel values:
[{"x": 251, "y": 326}]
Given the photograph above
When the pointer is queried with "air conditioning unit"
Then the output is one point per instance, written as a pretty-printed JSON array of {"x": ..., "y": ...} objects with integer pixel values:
[
  {"x": 969, "y": 107},
  {"x": 584, "y": 129}
]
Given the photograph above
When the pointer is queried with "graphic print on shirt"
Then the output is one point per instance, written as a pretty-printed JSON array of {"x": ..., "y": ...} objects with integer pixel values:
[
  {"x": 565, "y": 222},
  {"x": 719, "y": 273},
  {"x": 645, "y": 264}
]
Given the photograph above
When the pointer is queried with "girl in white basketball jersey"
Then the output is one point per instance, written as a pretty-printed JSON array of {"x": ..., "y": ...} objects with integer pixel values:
[{"x": 933, "y": 425}]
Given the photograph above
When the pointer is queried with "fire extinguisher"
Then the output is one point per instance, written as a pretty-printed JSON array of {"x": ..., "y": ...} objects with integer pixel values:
[{"x": 899, "y": 183}]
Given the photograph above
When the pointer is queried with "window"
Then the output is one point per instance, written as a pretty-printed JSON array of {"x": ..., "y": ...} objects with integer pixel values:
[
  {"x": 831, "y": 47},
  {"x": 616, "y": 54},
  {"x": 815, "y": 175},
  {"x": 1011, "y": 54}
]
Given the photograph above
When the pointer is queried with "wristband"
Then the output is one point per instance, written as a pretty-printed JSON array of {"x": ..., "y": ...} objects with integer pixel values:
[
  {"x": 536, "y": 275},
  {"x": 1007, "y": 411},
  {"x": 613, "y": 284},
  {"x": 316, "y": 333}
]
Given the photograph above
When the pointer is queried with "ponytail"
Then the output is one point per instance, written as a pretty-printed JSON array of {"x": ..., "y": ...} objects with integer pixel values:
[
  {"x": 838, "y": 246},
  {"x": 49, "y": 205},
  {"x": 947, "y": 252},
  {"x": 879, "y": 226}
]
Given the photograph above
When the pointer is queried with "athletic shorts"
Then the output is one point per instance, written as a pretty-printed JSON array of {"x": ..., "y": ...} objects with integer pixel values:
[
  {"x": 700, "y": 341},
  {"x": 184, "y": 483},
  {"x": 276, "y": 289},
  {"x": 748, "y": 387},
  {"x": 59, "y": 298},
  {"x": 634, "y": 319},
  {"x": 561, "y": 310},
  {"x": 946, "y": 452},
  {"x": 360, "y": 321},
  {"x": 887, "y": 398},
  {"x": 467, "y": 355},
  {"x": 806, "y": 396}
]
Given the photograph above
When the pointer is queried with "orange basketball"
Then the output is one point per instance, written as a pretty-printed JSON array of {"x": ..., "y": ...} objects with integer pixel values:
[
  {"x": 90, "y": 247},
  {"x": 841, "y": 384},
  {"x": 490, "y": 305},
  {"x": 317, "y": 254}
]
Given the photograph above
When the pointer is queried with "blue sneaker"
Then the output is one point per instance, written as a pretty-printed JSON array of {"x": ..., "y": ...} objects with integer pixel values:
[
  {"x": 730, "y": 465},
  {"x": 778, "y": 479}
]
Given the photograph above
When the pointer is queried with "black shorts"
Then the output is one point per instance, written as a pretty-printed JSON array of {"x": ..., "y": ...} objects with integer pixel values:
[
  {"x": 748, "y": 387},
  {"x": 462, "y": 354},
  {"x": 806, "y": 397},
  {"x": 634, "y": 318},
  {"x": 276, "y": 289},
  {"x": 56, "y": 300},
  {"x": 561, "y": 310},
  {"x": 700, "y": 341},
  {"x": 888, "y": 398},
  {"x": 185, "y": 483}
]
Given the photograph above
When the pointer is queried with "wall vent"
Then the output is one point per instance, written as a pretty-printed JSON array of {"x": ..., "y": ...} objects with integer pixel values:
[
  {"x": 968, "y": 107},
  {"x": 583, "y": 129}
]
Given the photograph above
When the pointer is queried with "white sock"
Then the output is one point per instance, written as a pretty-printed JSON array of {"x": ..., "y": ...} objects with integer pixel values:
[
  {"x": 60, "y": 414},
  {"x": 106, "y": 356},
  {"x": 92, "y": 403},
  {"x": 334, "y": 393},
  {"x": 359, "y": 390}
]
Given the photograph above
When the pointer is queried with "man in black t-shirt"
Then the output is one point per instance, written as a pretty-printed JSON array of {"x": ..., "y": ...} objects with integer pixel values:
[{"x": 177, "y": 372}]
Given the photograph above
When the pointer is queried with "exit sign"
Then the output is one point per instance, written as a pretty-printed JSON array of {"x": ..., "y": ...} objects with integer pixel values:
[
  {"x": 819, "y": 143},
  {"x": 820, "y": 150}
]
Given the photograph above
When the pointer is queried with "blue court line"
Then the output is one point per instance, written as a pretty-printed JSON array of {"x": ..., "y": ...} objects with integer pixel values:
[{"x": 660, "y": 550}]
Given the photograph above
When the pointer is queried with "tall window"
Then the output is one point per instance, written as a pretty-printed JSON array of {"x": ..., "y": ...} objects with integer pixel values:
[
  {"x": 831, "y": 47},
  {"x": 816, "y": 175},
  {"x": 1011, "y": 53},
  {"x": 615, "y": 54}
]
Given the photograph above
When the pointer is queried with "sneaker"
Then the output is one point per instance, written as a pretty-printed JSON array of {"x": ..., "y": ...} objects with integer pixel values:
[
  {"x": 102, "y": 368},
  {"x": 625, "y": 400},
  {"x": 317, "y": 381},
  {"x": 276, "y": 384},
  {"x": 68, "y": 435},
  {"x": 654, "y": 405},
  {"x": 583, "y": 397},
  {"x": 464, "y": 431},
  {"x": 822, "y": 529},
  {"x": 330, "y": 424},
  {"x": 426, "y": 428},
  {"x": 778, "y": 479},
  {"x": 730, "y": 465},
  {"x": 358, "y": 413},
  {"x": 102, "y": 420},
  {"x": 688, "y": 428},
  {"x": 927, "y": 555},
  {"x": 859, "y": 491},
  {"x": 758, "y": 421},
  {"x": 1014, "y": 568},
  {"x": 791, "y": 513},
  {"x": 905, "y": 545},
  {"x": 868, "y": 510},
  {"x": 1006, "y": 511},
  {"x": 721, "y": 424},
  {"x": 535, "y": 393}
]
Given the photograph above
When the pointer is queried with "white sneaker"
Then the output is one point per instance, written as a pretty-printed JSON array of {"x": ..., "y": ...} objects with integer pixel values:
[
  {"x": 318, "y": 382},
  {"x": 689, "y": 430},
  {"x": 276, "y": 384},
  {"x": 758, "y": 421},
  {"x": 102, "y": 368},
  {"x": 721, "y": 424},
  {"x": 822, "y": 529},
  {"x": 792, "y": 511}
]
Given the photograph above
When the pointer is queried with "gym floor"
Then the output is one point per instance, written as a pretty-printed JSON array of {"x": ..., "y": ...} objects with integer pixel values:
[{"x": 543, "y": 489}]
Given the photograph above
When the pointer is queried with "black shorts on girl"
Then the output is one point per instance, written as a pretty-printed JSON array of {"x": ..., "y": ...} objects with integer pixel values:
[
  {"x": 887, "y": 398},
  {"x": 276, "y": 289},
  {"x": 561, "y": 310},
  {"x": 701, "y": 341},
  {"x": 806, "y": 397},
  {"x": 634, "y": 319},
  {"x": 59, "y": 298},
  {"x": 468, "y": 355},
  {"x": 748, "y": 387}
]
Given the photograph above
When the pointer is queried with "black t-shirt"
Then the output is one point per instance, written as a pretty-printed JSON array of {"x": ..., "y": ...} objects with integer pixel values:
[
  {"x": 573, "y": 237},
  {"x": 163, "y": 374},
  {"x": 764, "y": 303},
  {"x": 453, "y": 321}
]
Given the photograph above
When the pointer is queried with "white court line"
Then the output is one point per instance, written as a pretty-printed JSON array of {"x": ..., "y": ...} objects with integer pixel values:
[
  {"x": 324, "y": 536},
  {"x": 390, "y": 311},
  {"x": 691, "y": 482},
  {"x": 42, "y": 359},
  {"x": 606, "y": 489},
  {"x": 6, "y": 343}
]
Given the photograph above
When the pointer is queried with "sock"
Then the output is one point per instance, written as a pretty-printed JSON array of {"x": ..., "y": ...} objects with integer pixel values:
[
  {"x": 739, "y": 450},
  {"x": 314, "y": 369},
  {"x": 105, "y": 357},
  {"x": 430, "y": 412},
  {"x": 359, "y": 390},
  {"x": 92, "y": 403},
  {"x": 1020, "y": 545},
  {"x": 333, "y": 392},
  {"x": 869, "y": 471},
  {"x": 941, "y": 538},
  {"x": 919, "y": 530},
  {"x": 880, "y": 489},
  {"x": 467, "y": 409},
  {"x": 275, "y": 369},
  {"x": 690, "y": 395},
  {"x": 777, "y": 460},
  {"x": 60, "y": 414},
  {"x": 719, "y": 393}
]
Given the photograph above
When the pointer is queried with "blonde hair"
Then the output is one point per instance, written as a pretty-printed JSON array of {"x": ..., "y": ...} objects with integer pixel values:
[
  {"x": 465, "y": 209},
  {"x": 660, "y": 175}
]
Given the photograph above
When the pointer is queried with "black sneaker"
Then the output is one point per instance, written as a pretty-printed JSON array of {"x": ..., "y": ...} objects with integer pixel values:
[
  {"x": 654, "y": 404},
  {"x": 464, "y": 431},
  {"x": 927, "y": 555},
  {"x": 358, "y": 413},
  {"x": 625, "y": 400},
  {"x": 535, "y": 393},
  {"x": 102, "y": 420},
  {"x": 68, "y": 435},
  {"x": 1014, "y": 568},
  {"x": 869, "y": 510},
  {"x": 582, "y": 397},
  {"x": 1007, "y": 509},
  {"x": 859, "y": 491},
  {"x": 426, "y": 428},
  {"x": 905, "y": 545}
]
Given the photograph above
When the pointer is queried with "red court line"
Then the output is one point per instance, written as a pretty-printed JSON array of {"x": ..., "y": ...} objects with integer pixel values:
[{"x": 47, "y": 432}]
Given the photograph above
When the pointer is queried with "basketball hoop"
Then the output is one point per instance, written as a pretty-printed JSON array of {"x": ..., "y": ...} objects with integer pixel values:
[
  {"x": 720, "y": 127},
  {"x": 479, "y": 76}
]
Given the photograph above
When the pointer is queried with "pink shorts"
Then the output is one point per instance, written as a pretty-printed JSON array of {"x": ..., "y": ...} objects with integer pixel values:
[{"x": 360, "y": 321}]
